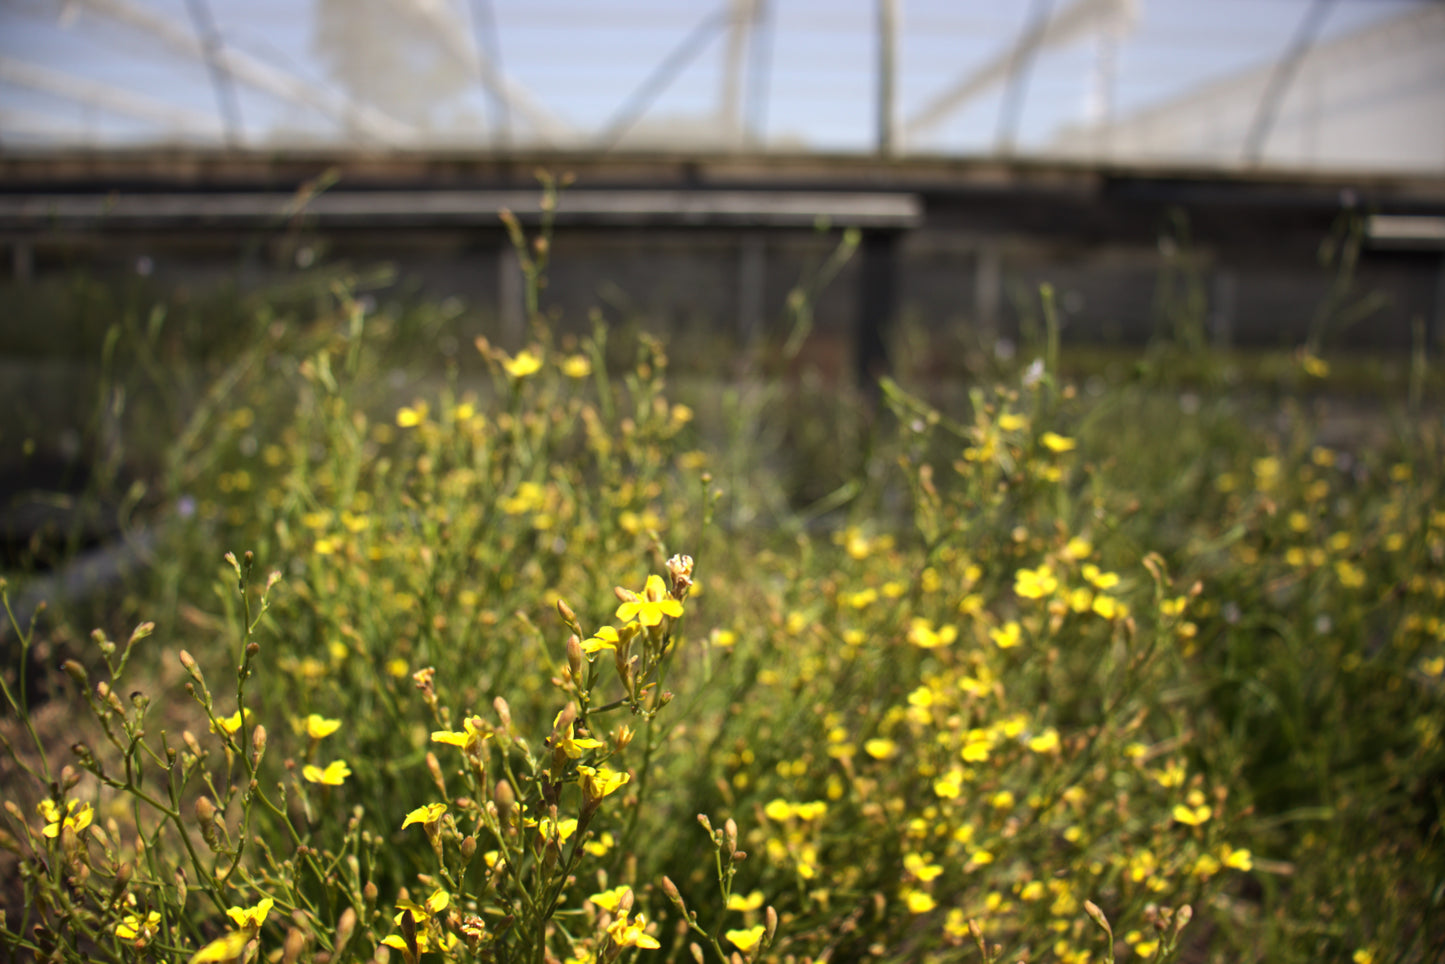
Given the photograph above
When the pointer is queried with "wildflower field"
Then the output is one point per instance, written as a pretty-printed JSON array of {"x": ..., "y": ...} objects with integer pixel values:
[{"x": 543, "y": 653}]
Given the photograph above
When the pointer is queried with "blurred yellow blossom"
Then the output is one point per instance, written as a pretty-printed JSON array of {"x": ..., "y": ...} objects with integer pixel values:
[{"x": 334, "y": 775}]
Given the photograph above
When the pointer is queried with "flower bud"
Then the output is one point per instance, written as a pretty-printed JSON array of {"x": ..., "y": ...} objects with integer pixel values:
[
  {"x": 1092, "y": 909},
  {"x": 258, "y": 743},
  {"x": 346, "y": 926},
  {"x": 574, "y": 657},
  {"x": 75, "y": 671},
  {"x": 505, "y": 799},
  {"x": 730, "y": 835},
  {"x": 565, "y": 611},
  {"x": 435, "y": 769},
  {"x": 292, "y": 948},
  {"x": 504, "y": 712},
  {"x": 770, "y": 923}
]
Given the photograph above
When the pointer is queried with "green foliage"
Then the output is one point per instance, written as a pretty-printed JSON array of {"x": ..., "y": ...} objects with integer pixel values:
[{"x": 1043, "y": 676}]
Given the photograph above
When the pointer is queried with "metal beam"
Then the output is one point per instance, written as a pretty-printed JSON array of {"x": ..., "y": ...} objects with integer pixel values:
[
  {"x": 229, "y": 107},
  {"x": 1282, "y": 76},
  {"x": 1074, "y": 21},
  {"x": 660, "y": 79},
  {"x": 455, "y": 41},
  {"x": 730, "y": 98},
  {"x": 106, "y": 96},
  {"x": 255, "y": 73},
  {"x": 887, "y": 76}
]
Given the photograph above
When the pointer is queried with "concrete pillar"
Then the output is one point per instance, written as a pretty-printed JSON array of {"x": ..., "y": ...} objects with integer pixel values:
[
  {"x": 877, "y": 305},
  {"x": 987, "y": 290},
  {"x": 512, "y": 326},
  {"x": 752, "y": 276},
  {"x": 22, "y": 261},
  {"x": 1222, "y": 307}
]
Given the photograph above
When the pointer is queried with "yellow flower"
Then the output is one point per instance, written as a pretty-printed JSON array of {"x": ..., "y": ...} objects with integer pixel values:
[
  {"x": 1056, "y": 443},
  {"x": 227, "y": 947},
  {"x": 526, "y": 363},
  {"x": 251, "y": 917},
  {"x": 563, "y": 829},
  {"x": 425, "y": 815},
  {"x": 631, "y": 934},
  {"x": 318, "y": 727},
  {"x": 139, "y": 928},
  {"x": 334, "y": 775},
  {"x": 778, "y": 810},
  {"x": 410, "y": 416},
  {"x": 922, "y": 634},
  {"x": 747, "y": 938},
  {"x": 1240, "y": 859},
  {"x": 1035, "y": 583},
  {"x": 471, "y": 736},
  {"x": 1193, "y": 816},
  {"x": 77, "y": 816},
  {"x": 610, "y": 900},
  {"x": 1099, "y": 578},
  {"x": 601, "y": 782},
  {"x": 654, "y": 604},
  {"x": 1106, "y": 606},
  {"x": 600, "y": 846},
  {"x": 919, "y": 902},
  {"x": 230, "y": 724},
  {"x": 569, "y": 744},
  {"x": 920, "y": 868},
  {"x": 576, "y": 366},
  {"x": 605, "y": 638},
  {"x": 752, "y": 901},
  {"x": 1313, "y": 365},
  {"x": 1006, "y": 636},
  {"x": 1045, "y": 742},
  {"x": 1013, "y": 422},
  {"x": 880, "y": 749}
]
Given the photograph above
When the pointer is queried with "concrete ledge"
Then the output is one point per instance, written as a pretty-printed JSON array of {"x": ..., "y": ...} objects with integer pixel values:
[{"x": 601, "y": 208}]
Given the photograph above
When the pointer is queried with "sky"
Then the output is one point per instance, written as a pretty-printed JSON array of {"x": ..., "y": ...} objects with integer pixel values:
[{"x": 112, "y": 72}]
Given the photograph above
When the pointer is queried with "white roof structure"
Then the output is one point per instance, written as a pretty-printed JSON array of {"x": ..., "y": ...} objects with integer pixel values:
[{"x": 1289, "y": 85}]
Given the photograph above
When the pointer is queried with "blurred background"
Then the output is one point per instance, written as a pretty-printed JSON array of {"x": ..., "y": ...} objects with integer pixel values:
[
  {"x": 1238, "y": 167},
  {"x": 1302, "y": 85},
  {"x": 828, "y": 190}
]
